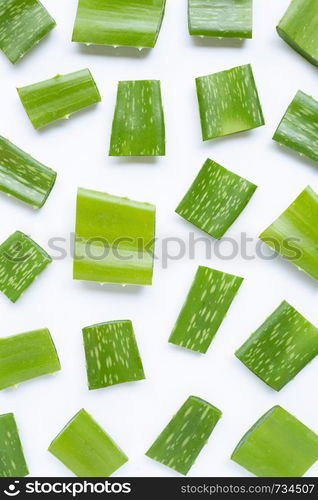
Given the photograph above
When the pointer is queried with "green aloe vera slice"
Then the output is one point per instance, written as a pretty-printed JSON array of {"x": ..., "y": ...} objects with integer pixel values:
[
  {"x": 27, "y": 356},
  {"x": 209, "y": 299},
  {"x": 112, "y": 355},
  {"x": 59, "y": 97},
  {"x": 85, "y": 448},
  {"x": 298, "y": 128},
  {"x": 281, "y": 347},
  {"x": 215, "y": 199},
  {"x": 221, "y": 18},
  {"x": 12, "y": 461},
  {"x": 24, "y": 177},
  {"x": 298, "y": 28},
  {"x": 187, "y": 433},
  {"x": 114, "y": 239},
  {"x": 134, "y": 23},
  {"x": 228, "y": 102},
  {"x": 278, "y": 445},
  {"x": 21, "y": 262},
  {"x": 23, "y": 23},
  {"x": 294, "y": 235},
  {"x": 138, "y": 125}
]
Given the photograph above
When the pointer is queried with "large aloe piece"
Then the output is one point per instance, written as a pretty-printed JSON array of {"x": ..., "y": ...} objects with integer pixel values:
[
  {"x": 278, "y": 445},
  {"x": 23, "y": 23},
  {"x": 85, "y": 448},
  {"x": 114, "y": 239},
  {"x": 21, "y": 262},
  {"x": 215, "y": 199},
  {"x": 59, "y": 97},
  {"x": 24, "y": 177},
  {"x": 298, "y": 128},
  {"x": 228, "y": 102},
  {"x": 138, "y": 125},
  {"x": 187, "y": 433},
  {"x": 221, "y": 18},
  {"x": 112, "y": 355},
  {"x": 281, "y": 347},
  {"x": 26, "y": 356},
  {"x": 295, "y": 234},
  {"x": 298, "y": 28},
  {"x": 134, "y": 23},
  {"x": 209, "y": 299},
  {"x": 12, "y": 461}
]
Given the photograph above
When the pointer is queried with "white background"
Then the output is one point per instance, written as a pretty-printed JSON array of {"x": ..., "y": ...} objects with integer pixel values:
[{"x": 133, "y": 414}]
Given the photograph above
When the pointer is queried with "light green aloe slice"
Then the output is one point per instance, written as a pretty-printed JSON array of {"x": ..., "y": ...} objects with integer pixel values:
[{"x": 12, "y": 461}]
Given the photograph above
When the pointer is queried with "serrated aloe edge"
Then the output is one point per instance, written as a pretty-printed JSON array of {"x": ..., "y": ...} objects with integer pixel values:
[
  {"x": 120, "y": 23},
  {"x": 281, "y": 347},
  {"x": 206, "y": 305},
  {"x": 277, "y": 445},
  {"x": 24, "y": 177},
  {"x": 221, "y": 18},
  {"x": 26, "y": 356},
  {"x": 112, "y": 355},
  {"x": 85, "y": 448},
  {"x": 23, "y": 24},
  {"x": 59, "y": 97},
  {"x": 12, "y": 461},
  {"x": 187, "y": 433}
]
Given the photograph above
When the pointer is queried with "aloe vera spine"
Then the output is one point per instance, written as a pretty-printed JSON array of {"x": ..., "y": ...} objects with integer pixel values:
[
  {"x": 12, "y": 461},
  {"x": 59, "y": 97}
]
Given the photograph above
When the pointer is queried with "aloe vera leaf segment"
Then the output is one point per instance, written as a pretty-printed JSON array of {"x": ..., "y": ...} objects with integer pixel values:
[{"x": 12, "y": 461}]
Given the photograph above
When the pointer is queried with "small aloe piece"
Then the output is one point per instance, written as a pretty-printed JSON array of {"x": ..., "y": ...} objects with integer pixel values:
[
  {"x": 278, "y": 445},
  {"x": 26, "y": 356},
  {"x": 59, "y": 97},
  {"x": 281, "y": 347},
  {"x": 24, "y": 177},
  {"x": 209, "y": 299},
  {"x": 138, "y": 125},
  {"x": 294, "y": 235},
  {"x": 114, "y": 239},
  {"x": 134, "y": 23},
  {"x": 112, "y": 355},
  {"x": 187, "y": 433},
  {"x": 215, "y": 199},
  {"x": 21, "y": 262},
  {"x": 12, "y": 461},
  {"x": 298, "y": 28},
  {"x": 298, "y": 128},
  {"x": 23, "y": 23},
  {"x": 85, "y": 448},
  {"x": 228, "y": 102},
  {"x": 221, "y": 18}
]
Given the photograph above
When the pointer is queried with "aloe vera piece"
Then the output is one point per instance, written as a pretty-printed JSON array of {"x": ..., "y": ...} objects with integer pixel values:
[
  {"x": 24, "y": 177},
  {"x": 134, "y": 23},
  {"x": 278, "y": 445},
  {"x": 114, "y": 239},
  {"x": 12, "y": 461},
  {"x": 281, "y": 347},
  {"x": 298, "y": 128},
  {"x": 85, "y": 448},
  {"x": 215, "y": 199},
  {"x": 187, "y": 433},
  {"x": 26, "y": 356},
  {"x": 294, "y": 235},
  {"x": 59, "y": 97},
  {"x": 23, "y": 23},
  {"x": 228, "y": 102},
  {"x": 21, "y": 261},
  {"x": 221, "y": 18},
  {"x": 112, "y": 355},
  {"x": 138, "y": 124},
  {"x": 209, "y": 299},
  {"x": 298, "y": 28}
]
